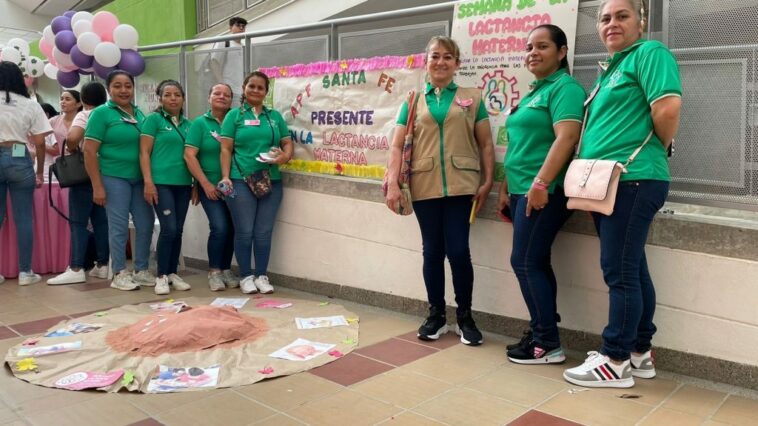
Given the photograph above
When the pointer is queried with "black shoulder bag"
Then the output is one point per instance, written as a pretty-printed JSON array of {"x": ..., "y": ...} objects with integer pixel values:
[{"x": 69, "y": 170}]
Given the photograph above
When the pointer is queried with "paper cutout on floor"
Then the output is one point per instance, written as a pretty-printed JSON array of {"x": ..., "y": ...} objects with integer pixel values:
[
  {"x": 175, "y": 379},
  {"x": 51, "y": 349},
  {"x": 237, "y": 302},
  {"x": 88, "y": 379},
  {"x": 320, "y": 322},
  {"x": 127, "y": 379},
  {"x": 271, "y": 303},
  {"x": 74, "y": 328},
  {"x": 267, "y": 370},
  {"x": 30, "y": 342},
  {"x": 169, "y": 306},
  {"x": 100, "y": 314},
  {"x": 335, "y": 353},
  {"x": 26, "y": 364},
  {"x": 302, "y": 350}
]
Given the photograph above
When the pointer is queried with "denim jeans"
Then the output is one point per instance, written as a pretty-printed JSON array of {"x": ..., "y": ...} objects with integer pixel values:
[
  {"x": 533, "y": 238},
  {"x": 81, "y": 211},
  {"x": 124, "y": 196},
  {"x": 221, "y": 238},
  {"x": 253, "y": 220},
  {"x": 17, "y": 177},
  {"x": 622, "y": 257},
  {"x": 444, "y": 233},
  {"x": 173, "y": 203}
]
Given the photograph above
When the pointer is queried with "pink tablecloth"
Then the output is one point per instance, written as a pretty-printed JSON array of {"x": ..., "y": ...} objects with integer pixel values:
[{"x": 52, "y": 237}]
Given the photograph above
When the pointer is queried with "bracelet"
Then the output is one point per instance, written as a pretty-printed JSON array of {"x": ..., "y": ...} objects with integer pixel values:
[{"x": 539, "y": 186}]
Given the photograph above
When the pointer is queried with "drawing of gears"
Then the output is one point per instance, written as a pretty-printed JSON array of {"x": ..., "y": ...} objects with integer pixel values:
[{"x": 499, "y": 92}]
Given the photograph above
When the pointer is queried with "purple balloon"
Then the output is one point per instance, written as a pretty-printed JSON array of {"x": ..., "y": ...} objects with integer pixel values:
[
  {"x": 80, "y": 59},
  {"x": 65, "y": 40},
  {"x": 131, "y": 62},
  {"x": 69, "y": 14},
  {"x": 60, "y": 23},
  {"x": 68, "y": 78},
  {"x": 100, "y": 70}
]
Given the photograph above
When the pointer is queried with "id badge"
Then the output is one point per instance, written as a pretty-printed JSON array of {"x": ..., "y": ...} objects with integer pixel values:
[
  {"x": 252, "y": 122},
  {"x": 18, "y": 150}
]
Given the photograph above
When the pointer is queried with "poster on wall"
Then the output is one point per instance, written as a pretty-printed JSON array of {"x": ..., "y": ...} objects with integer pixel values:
[
  {"x": 341, "y": 114},
  {"x": 492, "y": 37}
]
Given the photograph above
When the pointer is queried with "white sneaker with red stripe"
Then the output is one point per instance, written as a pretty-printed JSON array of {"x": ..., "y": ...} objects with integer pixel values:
[{"x": 599, "y": 372}]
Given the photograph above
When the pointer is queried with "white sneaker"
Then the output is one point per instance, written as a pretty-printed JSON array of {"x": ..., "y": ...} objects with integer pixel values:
[
  {"x": 178, "y": 282},
  {"x": 123, "y": 281},
  {"x": 263, "y": 285},
  {"x": 215, "y": 281},
  {"x": 599, "y": 372},
  {"x": 100, "y": 271},
  {"x": 144, "y": 278},
  {"x": 248, "y": 285},
  {"x": 68, "y": 277},
  {"x": 231, "y": 280},
  {"x": 643, "y": 366},
  {"x": 161, "y": 286},
  {"x": 27, "y": 278}
]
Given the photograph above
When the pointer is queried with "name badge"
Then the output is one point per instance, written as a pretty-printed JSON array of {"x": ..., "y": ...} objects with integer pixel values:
[
  {"x": 252, "y": 122},
  {"x": 18, "y": 150}
]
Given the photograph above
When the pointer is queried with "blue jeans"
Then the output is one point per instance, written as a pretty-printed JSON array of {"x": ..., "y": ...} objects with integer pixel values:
[
  {"x": 533, "y": 238},
  {"x": 253, "y": 220},
  {"x": 221, "y": 238},
  {"x": 622, "y": 257},
  {"x": 17, "y": 176},
  {"x": 444, "y": 232},
  {"x": 82, "y": 210},
  {"x": 124, "y": 196},
  {"x": 173, "y": 203}
]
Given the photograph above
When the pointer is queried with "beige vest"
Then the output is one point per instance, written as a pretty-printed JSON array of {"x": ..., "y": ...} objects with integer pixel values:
[{"x": 447, "y": 156}]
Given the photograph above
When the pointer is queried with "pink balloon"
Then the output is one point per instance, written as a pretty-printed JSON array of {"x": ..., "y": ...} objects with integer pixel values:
[
  {"x": 45, "y": 47},
  {"x": 52, "y": 60},
  {"x": 103, "y": 24}
]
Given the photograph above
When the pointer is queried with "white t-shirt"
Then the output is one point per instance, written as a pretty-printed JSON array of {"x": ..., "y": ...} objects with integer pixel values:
[
  {"x": 230, "y": 61},
  {"x": 21, "y": 118},
  {"x": 81, "y": 119}
]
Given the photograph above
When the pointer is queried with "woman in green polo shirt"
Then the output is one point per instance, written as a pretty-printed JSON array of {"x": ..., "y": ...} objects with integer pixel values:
[
  {"x": 168, "y": 183},
  {"x": 202, "y": 153},
  {"x": 111, "y": 156},
  {"x": 542, "y": 133},
  {"x": 247, "y": 133},
  {"x": 635, "y": 104},
  {"x": 452, "y": 167}
]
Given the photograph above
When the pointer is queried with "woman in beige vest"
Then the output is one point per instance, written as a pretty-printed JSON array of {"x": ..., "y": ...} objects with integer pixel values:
[{"x": 451, "y": 174}]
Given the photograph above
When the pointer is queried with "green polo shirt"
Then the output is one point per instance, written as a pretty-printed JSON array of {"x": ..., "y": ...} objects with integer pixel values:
[
  {"x": 253, "y": 135},
  {"x": 204, "y": 135},
  {"x": 553, "y": 99},
  {"x": 619, "y": 116},
  {"x": 118, "y": 134},
  {"x": 167, "y": 164},
  {"x": 439, "y": 108}
]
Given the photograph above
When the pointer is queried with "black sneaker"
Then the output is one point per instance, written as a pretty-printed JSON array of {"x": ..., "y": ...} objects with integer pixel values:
[
  {"x": 525, "y": 339},
  {"x": 535, "y": 353},
  {"x": 466, "y": 328},
  {"x": 434, "y": 326}
]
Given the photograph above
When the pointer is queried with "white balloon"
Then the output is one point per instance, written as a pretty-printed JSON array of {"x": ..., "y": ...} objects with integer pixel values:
[
  {"x": 81, "y": 16},
  {"x": 51, "y": 71},
  {"x": 34, "y": 66},
  {"x": 48, "y": 35},
  {"x": 87, "y": 42},
  {"x": 107, "y": 54},
  {"x": 20, "y": 44},
  {"x": 11, "y": 55},
  {"x": 125, "y": 36},
  {"x": 63, "y": 59},
  {"x": 82, "y": 27}
]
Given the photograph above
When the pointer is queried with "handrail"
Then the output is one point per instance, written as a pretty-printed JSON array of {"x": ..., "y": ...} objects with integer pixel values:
[{"x": 306, "y": 27}]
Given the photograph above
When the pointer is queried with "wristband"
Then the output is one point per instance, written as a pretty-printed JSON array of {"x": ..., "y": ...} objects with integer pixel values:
[{"x": 539, "y": 186}]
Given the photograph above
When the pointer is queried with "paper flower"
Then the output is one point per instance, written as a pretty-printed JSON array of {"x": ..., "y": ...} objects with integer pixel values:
[
  {"x": 26, "y": 364},
  {"x": 409, "y": 61},
  {"x": 464, "y": 103},
  {"x": 128, "y": 378},
  {"x": 339, "y": 168},
  {"x": 267, "y": 370},
  {"x": 335, "y": 353},
  {"x": 283, "y": 71},
  {"x": 343, "y": 65},
  {"x": 30, "y": 342}
]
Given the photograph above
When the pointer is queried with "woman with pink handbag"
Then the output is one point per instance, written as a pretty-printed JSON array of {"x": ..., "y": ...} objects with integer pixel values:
[
  {"x": 632, "y": 117},
  {"x": 542, "y": 133},
  {"x": 451, "y": 168}
]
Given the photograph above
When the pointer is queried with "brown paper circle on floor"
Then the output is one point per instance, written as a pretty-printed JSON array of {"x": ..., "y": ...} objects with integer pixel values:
[{"x": 240, "y": 364}]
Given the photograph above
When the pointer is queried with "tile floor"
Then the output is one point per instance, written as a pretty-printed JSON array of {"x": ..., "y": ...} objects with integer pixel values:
[{"x": 391, "y": 379}]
